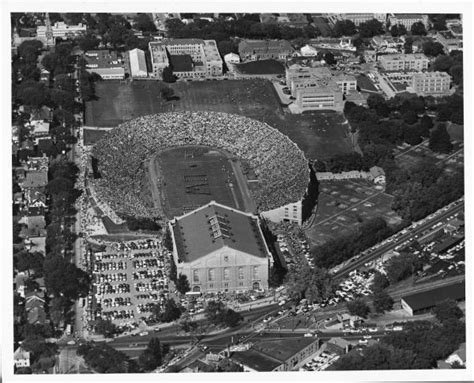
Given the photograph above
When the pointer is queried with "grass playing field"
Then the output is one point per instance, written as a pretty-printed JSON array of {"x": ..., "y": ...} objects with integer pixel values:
[
  {"x": 194, "y": 176},
  {"x": 320, "y": 135}
]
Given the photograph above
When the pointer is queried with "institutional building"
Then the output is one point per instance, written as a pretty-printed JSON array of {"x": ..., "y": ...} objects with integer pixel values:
[
  {"x": 219, "y": 248},
  {"x": 137, "y": 63},
  {"x": 189, "y": 58},
  {"x": 105, "y": 63},
  {"x": 49, "y": 33},
  {"x": 431, "y": 84},
  {"x": 317, "y": 88},
  {"x": 358, "y": 18},
  {"x": 288, "y": 213},
  {"x": 408, "y": 19},
  {"x": 404, "y": 62},
  {"x": 449, "y": 41},
  {"x": 253, "y": 50}
]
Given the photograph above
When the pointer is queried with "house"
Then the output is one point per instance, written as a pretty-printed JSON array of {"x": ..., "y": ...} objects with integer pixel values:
[
  {"x": 198, "y": 366},
  {"x": 41, "y": 114},
  {"x": 220, "y": 248},
  {"x": 35, "y": 226},
  {"x": 423, "y": 302},
  {"x": 458, "y": 356},
  {"x": 308, "y": 51},
  {"x": 21, "y": 358},
  {"x": 20, "y": 287},
  {"x": 35, "y": 179},
  {"x": 34, "y": 307},
  {"x": 348, "y": 320},
  {"x": 231, "y": 58},
  {"x": 286, "y": 354},
  {"x": 377, "y": 174},
  {"x": 338, "y": 345},
  {"x": 40, "y": 129}
]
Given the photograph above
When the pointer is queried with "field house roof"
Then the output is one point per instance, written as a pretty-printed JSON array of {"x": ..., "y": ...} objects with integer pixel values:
[
  {"x": 428, "y": 299},
  {"x": 213, "y": 227}
]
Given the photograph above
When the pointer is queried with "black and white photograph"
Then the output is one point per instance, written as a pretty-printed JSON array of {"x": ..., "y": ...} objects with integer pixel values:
[{"x": 240, "y": 192}]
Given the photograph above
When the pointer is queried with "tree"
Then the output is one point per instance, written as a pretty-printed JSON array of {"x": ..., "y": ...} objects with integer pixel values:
[
  {"x": 358, "y": 307},
  {"x": 171, "y": 311},
  {"x": 426, "y": 124},
  {"x": 446, "y": 310},
  {"x": 398, "y": 30},
  {"x": 144, "y": 23},
  {"x": 75, "y": 18},
  {"x": 105, "y": 359},
  {"x": 214, "y": 311},
  {"x": 379, "y": 282},
  {"x": 344, "y": 28},
  {"x": 227, "y": 46},
  {"x": 442, "y": 63},
  {"x": 106, "y": 328},
  {"x": 329, "y": 58},
  {"x": 166, "y": 93},
  {"x": 382, "y": 301},
  {"x": 182, "y": 284},
  {"x": 418, "y": 29},
  {"x": 226, "y": 365},
  {"x": 408, "y": 45},
  {"x": 25, "y": 260},
  {"x": 168, "y": 75},
  {"x": 433, "y": 49},
  {"x": 410, "y": 117},
  {"x": 439, "y": 140},
  {"x": 152, "y": 356},
  {"x": 88, "y": 42},
  {"x": 371, "y": 28},
  {"x": 232, "y": 318},
  {"x": 399, "y": 267}
]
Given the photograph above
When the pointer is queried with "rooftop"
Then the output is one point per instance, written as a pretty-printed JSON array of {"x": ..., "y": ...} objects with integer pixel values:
[
  {"x": 102, "y": 59},
  {"x": 404, "y": 57},
  {"x": 255, "y": 360},
  {"x": 265, "y": 45},
  {"x": 431, "y": 298},
  {"x": 35, "y": 179},
  {"x": 215, "y": 226},
  {"x": 283, "y": 349}
]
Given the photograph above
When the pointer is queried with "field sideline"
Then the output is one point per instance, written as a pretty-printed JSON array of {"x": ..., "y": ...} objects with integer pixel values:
[{"x": 320, "y": 135}]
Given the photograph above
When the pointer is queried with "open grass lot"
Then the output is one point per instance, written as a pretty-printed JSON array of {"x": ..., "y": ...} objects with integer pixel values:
[
  {"x": 194, "y": 176},
  {"x": 343, "y": 205},
  {"x": 320, "y": 134}
]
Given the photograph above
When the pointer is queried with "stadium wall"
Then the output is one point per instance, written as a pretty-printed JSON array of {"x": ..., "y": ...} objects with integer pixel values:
[{"x": 287, "y": 213}]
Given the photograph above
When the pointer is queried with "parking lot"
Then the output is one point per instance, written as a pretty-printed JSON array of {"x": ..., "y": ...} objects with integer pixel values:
[{"x": 128, "y": 279}]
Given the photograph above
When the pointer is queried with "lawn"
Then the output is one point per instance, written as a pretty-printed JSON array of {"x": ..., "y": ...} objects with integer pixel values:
[
  {"x": 343, "y": 205},
  {"x": 320, "y": 135}
]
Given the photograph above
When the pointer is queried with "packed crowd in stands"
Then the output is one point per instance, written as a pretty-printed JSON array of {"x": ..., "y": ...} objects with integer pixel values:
[{"x": 279, "y": 164}]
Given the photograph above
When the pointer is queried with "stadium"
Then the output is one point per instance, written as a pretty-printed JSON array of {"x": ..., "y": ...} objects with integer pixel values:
[{"x": 167, "y": 164}]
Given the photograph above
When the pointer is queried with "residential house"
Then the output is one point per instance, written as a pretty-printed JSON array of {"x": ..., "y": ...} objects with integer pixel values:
[
  {"x": 34, "y": 307},
  {"x": 21, "y": 358},
  {"x": 253, "y": 50}
]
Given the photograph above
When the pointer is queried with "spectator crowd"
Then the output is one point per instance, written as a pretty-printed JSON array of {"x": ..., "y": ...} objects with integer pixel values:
[{"x": 279, "y": 164}]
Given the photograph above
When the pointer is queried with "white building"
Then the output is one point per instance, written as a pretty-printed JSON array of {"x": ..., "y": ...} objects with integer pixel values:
[
  {"x": 21, "y": 358},
  {"x": 308, "y": 51},
  {"x": 358, "y": 18},
  {"x": 219, "y": 248},
  {"x": 404, "y": 62},
  {"x": 408, "y": 19},
  {"x": 105, "y": 63},
  {"x": 232, "y": 58},
  {"x": 205, "y": 60},
  {"x": 288, "y": 213},
  {"x": 137, "y": 63},
  {"x": 59, "y": 29},
  {"x": 431, "y": 84}
]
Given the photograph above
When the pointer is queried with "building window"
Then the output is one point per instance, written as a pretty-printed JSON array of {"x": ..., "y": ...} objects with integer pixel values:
[
  {"x": 241, "y": 284},
  {"x": 241, "y": 273},
  {"x": 226, "y": 273},
  {"x": 210, "y": 275},
  {"x": 195, "y": 276},
  {"x": 211, "y": 285},
  {"x": 255, "y": 272},
  {"x": 226, "y": 258},
  {"x": 226, "y": 284}
]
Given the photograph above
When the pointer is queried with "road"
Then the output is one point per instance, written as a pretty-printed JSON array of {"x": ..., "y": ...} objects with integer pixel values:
[{"x": 357, "y": 263}]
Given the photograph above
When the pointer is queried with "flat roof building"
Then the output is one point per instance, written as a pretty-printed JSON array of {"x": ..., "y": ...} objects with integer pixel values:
[
  {"x": 420, "y": 303},
  {"x": 449, "y": 40},
  {"x": 253, "y": 50},
  {"x": 220, "y": 249},
  {"x": 404, "y": 62},
  {"x": 286, "y": 354},
  {"x": 408, "y": 19},
  {"x": 137, "y": 63},
  {"x": 431, "y": 84},
  {"x": 205, "y": 58},
  {"x": 358, "y": 18},
  {"x": 105, "y": 63}
]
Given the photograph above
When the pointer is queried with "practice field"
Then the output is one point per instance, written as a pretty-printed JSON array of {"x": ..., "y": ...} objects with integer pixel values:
[
  {"x": 193, "y": 176},
  {"x": 320, "y": 135},
  {"x": 342, "y": 205}
]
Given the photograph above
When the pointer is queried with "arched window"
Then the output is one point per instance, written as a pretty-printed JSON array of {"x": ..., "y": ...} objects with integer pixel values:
[
  {"x": 210, "y": 275},
  {"x": 195, "y": 276},
  {"x": 226, "y": 273}
]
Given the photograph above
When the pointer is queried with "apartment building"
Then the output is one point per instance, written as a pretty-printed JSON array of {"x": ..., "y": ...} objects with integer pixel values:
[
  {"x": 449, "y": 41},
  {"x": 404, "y": 62},
  {"x": 431, "y": 83}
]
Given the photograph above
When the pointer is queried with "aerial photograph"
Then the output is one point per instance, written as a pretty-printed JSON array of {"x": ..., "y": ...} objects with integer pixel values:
[{"x": 236, "y": 192}]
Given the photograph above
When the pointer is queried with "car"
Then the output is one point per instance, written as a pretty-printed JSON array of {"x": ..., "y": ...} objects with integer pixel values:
[
  {"x": 71, "y": 343},
  {"x": 367, "y": 336},
  {"x": 143, "y": 333},
  {"x": 157, "y": 329},
  {"x": 363, "y": 341},
  {"x": 133, "y": 345},
  {"x": 372, "y": 329},
  {"x": 308, "y": 335}
]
